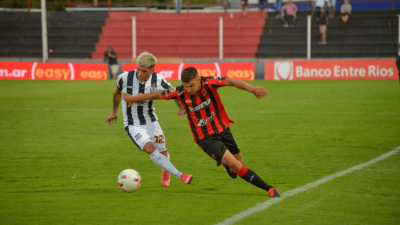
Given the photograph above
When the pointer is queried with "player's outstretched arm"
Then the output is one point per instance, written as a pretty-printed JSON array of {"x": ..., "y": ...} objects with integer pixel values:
[
  {"x": 257, "y": 91},
  {"x": 141, "y": 97},
  {"x": 116, "y": 100}
]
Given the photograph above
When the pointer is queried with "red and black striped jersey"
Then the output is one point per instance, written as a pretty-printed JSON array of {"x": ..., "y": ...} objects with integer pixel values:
[{"x": 205, "y": 113}]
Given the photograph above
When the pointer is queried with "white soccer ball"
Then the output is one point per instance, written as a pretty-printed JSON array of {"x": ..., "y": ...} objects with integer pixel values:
[{"x": 129, "y": 180}]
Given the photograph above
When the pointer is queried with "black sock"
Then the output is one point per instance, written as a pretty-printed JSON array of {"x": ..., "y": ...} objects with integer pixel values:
[{"x": 254, "y": 179}]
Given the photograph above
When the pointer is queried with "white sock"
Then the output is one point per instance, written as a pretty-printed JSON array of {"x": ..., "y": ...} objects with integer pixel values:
[{"x": 164, "y": 163}]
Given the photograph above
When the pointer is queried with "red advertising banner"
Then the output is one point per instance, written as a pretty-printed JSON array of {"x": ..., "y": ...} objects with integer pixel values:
[
  {"x": 90, "y": 71},
  {"x": 15, "y": 70},
  {"x": 241, "y": 71},
  {"x": 172, "y": 71},
  {"x": 52, "y": 71},
  {"x": 331, "y": 69}
]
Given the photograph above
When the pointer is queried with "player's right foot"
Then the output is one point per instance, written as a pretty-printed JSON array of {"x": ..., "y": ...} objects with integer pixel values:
[
  {"x": 230, "y": 171},
  {"x": 165, "y": 177},
  {"x": 274, "y": 192},
  {"x": 186, "y": 178}
]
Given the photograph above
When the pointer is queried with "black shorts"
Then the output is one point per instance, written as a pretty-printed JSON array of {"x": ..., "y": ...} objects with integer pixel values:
[
  {"x": 216, "y": 145},
  {"x": 245, "y": 2}
]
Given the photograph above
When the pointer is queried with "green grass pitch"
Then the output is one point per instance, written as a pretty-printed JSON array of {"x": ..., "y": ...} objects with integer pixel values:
[{"x": 59, "y": 161}]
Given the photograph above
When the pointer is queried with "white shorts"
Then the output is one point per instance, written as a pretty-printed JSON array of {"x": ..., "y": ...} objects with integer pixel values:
[
  {"x": 142, "y": 134},
  {"x": 331, "y": 3}
]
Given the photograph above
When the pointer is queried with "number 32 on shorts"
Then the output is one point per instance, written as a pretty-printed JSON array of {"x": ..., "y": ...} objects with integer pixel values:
[{"x": 159, "y": 139}]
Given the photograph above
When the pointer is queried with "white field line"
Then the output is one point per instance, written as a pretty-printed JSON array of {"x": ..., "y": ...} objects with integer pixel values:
[
  {"x": 229, "y": 111},
  {"x": 268, "y": 203}
]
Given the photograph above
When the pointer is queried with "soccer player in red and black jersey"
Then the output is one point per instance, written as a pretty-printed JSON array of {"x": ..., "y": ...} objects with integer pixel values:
[{"x": 209, "y": 121}]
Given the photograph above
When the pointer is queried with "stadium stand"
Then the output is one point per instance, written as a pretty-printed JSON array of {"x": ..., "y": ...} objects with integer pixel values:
[
  {"x": 194, "y": 35},
  {"x": 70, "y": 35},
  {"x": 369, "y": 33},
  {"x": 187, "y": 35}
]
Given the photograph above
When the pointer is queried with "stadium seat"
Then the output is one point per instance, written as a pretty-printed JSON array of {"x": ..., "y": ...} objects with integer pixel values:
[
  {"x": 70, "y": 35},
  {"x": 369, "y": 33},
  {"x": 187, "y": 35}
]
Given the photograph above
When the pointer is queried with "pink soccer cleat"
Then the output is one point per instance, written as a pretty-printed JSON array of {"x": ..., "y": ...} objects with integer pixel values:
[
  {"x": 186, "y": 178},
  {"x": 165, "y": 177}
]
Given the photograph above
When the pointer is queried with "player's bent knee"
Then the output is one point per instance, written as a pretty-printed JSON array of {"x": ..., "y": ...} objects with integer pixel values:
[
  {"x": 233, "y": 163},
  {"x": 149, "y": 148}
]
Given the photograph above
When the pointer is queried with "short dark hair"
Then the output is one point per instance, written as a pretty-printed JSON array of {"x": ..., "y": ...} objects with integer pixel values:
[{"x": 189, "y": 74}]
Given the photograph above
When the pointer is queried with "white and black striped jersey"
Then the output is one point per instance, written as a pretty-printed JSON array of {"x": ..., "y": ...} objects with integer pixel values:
[{"x": 140, "y": 113}]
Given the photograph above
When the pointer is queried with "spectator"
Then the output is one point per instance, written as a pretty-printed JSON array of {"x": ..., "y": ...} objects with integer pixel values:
[
  {"x": 111, "y": 56},
  {"x": 331, "y": 8},
  {"x": 317, "y": 5},
  {"x": 262, "y": 4},
  {"x": 278, "y": 6},
  {"x": 323, "y": 23},
  {"x": 289, "y": 14},
  {"x": 244, "y": 5},
  {"x": 345, "y": 11},
  {"x": 178, "y": 6}
]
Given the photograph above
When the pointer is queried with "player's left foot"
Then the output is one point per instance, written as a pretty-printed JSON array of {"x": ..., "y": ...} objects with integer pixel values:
[
  {"x": 274, "y": 192},
  {"x": 165, "y": 177},
  {"x": 186, "y": 178},
  {"x": 230, "y": 171}
]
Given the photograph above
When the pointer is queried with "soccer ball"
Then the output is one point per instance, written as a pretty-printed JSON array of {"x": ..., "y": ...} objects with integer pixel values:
[{"x": 129, "y": 180}]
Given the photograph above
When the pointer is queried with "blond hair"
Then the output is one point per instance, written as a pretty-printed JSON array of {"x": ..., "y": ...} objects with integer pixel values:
[{"x": 146, "y": 59}]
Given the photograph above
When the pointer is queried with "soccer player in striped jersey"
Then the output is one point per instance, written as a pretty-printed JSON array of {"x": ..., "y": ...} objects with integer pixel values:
[
  {"x": 140, "y": 120},
  {"x": 209, "y": 121}
]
